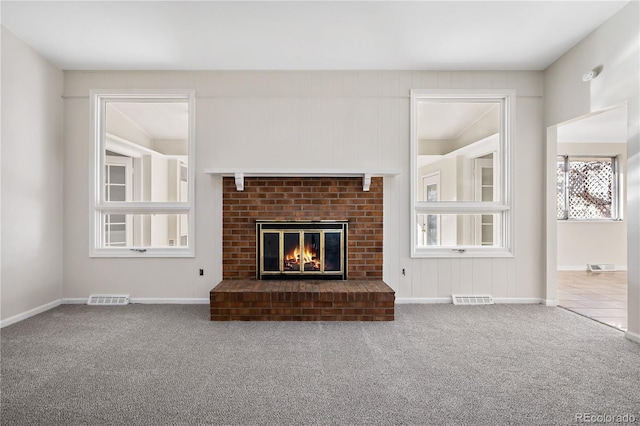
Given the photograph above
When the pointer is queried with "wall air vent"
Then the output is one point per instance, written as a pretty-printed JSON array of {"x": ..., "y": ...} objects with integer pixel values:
[
  {"x": 108, "y": 299},
  {"x": 601, "y": 267},
  {"x": 468, "y": 299}
]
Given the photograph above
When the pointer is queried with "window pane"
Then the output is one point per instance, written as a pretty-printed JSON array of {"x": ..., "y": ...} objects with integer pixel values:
[
  {"x": 460, "y": 141},
  {"x": 116, "y": 174},
  {"x": 150, "y": 138},
  {"x": 117, "y": 193},
  {"x": 451, "y": 230},
  {"x": 145, "y": 230},
  {"x": 590, "y": 188}
]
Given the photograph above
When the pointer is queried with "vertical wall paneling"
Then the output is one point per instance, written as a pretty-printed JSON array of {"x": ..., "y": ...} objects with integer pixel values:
[
  {"x": 482, "y": 275},
  {"x": 444, "y": 281},
  {"x": 500, "y": 279},
  {"x": 312, "y": 119},
  {"x": 466, "y": 276}
]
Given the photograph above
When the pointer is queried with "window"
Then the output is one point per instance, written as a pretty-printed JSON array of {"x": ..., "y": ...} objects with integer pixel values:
[
  {"x": 461, "y": 193},
  {"x": 141, "y": 174},
  {"x": 588, "y": 188}
]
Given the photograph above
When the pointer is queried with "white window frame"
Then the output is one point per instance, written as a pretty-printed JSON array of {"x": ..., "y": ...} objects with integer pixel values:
[
  {"x": 504, "y": 207},
  {"x": 98, "y": 205}
]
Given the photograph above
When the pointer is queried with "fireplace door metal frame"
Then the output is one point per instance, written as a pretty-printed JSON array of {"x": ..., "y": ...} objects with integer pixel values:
[{"x": 281, "y": 228}]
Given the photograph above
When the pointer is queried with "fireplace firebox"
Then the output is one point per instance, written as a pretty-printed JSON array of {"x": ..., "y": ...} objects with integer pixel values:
[{"x": 302, "y": 249}]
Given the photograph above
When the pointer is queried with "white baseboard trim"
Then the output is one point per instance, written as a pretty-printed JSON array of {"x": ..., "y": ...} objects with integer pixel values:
[
  {"x": 499, "y": 300},
  {"x": 518, "y": 300},
  {"x": 422, "y": 300},
  {"x": 31, "y": 312},
  {"x": 83, "y": 301},
  {"x": 75, "y": 301},
  {"x": 146, "y": 301},
  {"x": 169, "y": 301},
  {"x": 550, "y": 302},
  {"x": 635, "y": 337},
  {"x": 583, "y": 267}
]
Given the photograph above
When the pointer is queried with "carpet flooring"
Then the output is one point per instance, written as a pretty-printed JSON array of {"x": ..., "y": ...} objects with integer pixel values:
[{"x": 434, "y": 365}]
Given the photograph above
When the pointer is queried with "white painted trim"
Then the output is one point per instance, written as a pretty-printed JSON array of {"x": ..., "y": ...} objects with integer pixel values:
[
  {"x": 583, "y": 268},
  {"x": 147, "y": 301},
  {"x": 497, "y": 300},
  {"x": 75, "y": 300},
  {"x": 634, "y": 337},
  {"x": 519, "y": 300},
  {"x": 550, "y": 302},
  {"x": 422, "y": 300},
  {"x": 169, "y": 301},
  {"x": 30, "y": 313},
  {"x": 239, "y": 174}
]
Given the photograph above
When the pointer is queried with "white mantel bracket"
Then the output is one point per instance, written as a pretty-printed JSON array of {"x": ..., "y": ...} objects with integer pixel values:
[
  {"x": 239, "y": 177},
  {"x": 366, "y": 182},
  {"x": 240, "y": 174}
]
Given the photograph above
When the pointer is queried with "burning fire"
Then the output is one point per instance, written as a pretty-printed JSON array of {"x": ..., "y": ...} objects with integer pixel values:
[{"x": 309, "y": 259}]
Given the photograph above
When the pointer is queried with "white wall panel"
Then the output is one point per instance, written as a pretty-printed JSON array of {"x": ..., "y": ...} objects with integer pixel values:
[
  {"x": 483, "y": 276},
  {"x": 500, "y": 278},
  {"x": 615, "y": 46},
  {"x": 32, "y": 210},
  {"x": 323, "y": 119}
]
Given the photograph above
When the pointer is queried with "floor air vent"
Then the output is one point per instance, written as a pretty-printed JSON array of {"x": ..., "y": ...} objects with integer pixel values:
[
  {"x": 108, "y": 299},
  {"x": 472, "y": 299},
  {"x": 601, "y": 267}
]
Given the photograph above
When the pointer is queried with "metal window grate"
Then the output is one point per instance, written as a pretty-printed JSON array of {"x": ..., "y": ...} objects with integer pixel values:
[
  {"x": 590, "y": 189},
  {"x": 108, "y": 299},
  {"x": 472, "y": 299}
]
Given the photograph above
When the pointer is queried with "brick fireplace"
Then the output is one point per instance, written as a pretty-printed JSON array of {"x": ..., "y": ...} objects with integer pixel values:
[
  {"x": 363, "y": 296},
  {"x": 282, "y": 199}
]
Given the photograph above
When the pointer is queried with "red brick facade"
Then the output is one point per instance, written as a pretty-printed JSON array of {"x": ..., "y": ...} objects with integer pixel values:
[{"x": 327, "y": 198}]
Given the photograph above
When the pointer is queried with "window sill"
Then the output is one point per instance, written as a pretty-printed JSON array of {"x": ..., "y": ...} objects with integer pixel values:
[
  {"x": 148, "y": 253},
  {"x": 461, "y": 252},
  {"x": 590, "y": 221}
]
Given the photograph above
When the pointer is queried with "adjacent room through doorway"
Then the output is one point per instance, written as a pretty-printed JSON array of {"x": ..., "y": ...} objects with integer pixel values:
[{"x": 591, "y": 210}]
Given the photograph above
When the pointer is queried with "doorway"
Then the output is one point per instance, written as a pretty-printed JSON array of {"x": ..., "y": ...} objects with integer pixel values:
[{"x": 591, "y": 229}]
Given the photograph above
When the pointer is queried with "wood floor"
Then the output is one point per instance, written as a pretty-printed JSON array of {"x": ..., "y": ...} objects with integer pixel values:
[{"x": 601, "y": 296}]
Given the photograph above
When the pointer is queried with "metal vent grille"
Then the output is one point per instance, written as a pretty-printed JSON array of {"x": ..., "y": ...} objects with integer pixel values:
[
  {"x": 108, "y": 299},
  {"x": 601, "y": 267},
  {"x": 464, "y": 299}
]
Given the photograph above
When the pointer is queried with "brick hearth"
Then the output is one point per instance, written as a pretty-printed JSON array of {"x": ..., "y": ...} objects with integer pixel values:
[{"x": 253, "y": 300}]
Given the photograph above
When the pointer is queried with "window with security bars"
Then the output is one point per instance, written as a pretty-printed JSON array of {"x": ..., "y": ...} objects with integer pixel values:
[{"x": 587, "y": 188}]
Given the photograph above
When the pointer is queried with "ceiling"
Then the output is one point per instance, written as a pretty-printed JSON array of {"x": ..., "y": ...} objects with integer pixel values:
[{"x": 304, "y": 35}]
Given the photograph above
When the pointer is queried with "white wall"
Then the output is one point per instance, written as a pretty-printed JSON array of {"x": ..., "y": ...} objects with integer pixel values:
[
  {"x": 582, "y": 242},
  {"x": 616, "y": 47},
  {"x": 32, "y": 161},
  {"x": 328, "y": 120}
]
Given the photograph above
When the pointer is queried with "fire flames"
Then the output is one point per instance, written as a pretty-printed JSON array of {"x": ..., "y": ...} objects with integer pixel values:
[{"x": 309, "y": 259}]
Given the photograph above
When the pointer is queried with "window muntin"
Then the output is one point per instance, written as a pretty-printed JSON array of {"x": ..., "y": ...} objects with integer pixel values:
[
  {"x": 465, "y": 139},
  {"x": 142, "y": 189},
  {"x": 587, "y": 188}
]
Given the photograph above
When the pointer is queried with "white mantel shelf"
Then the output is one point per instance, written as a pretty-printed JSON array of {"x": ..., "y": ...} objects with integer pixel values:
[{"x": 240, "y": 174}]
